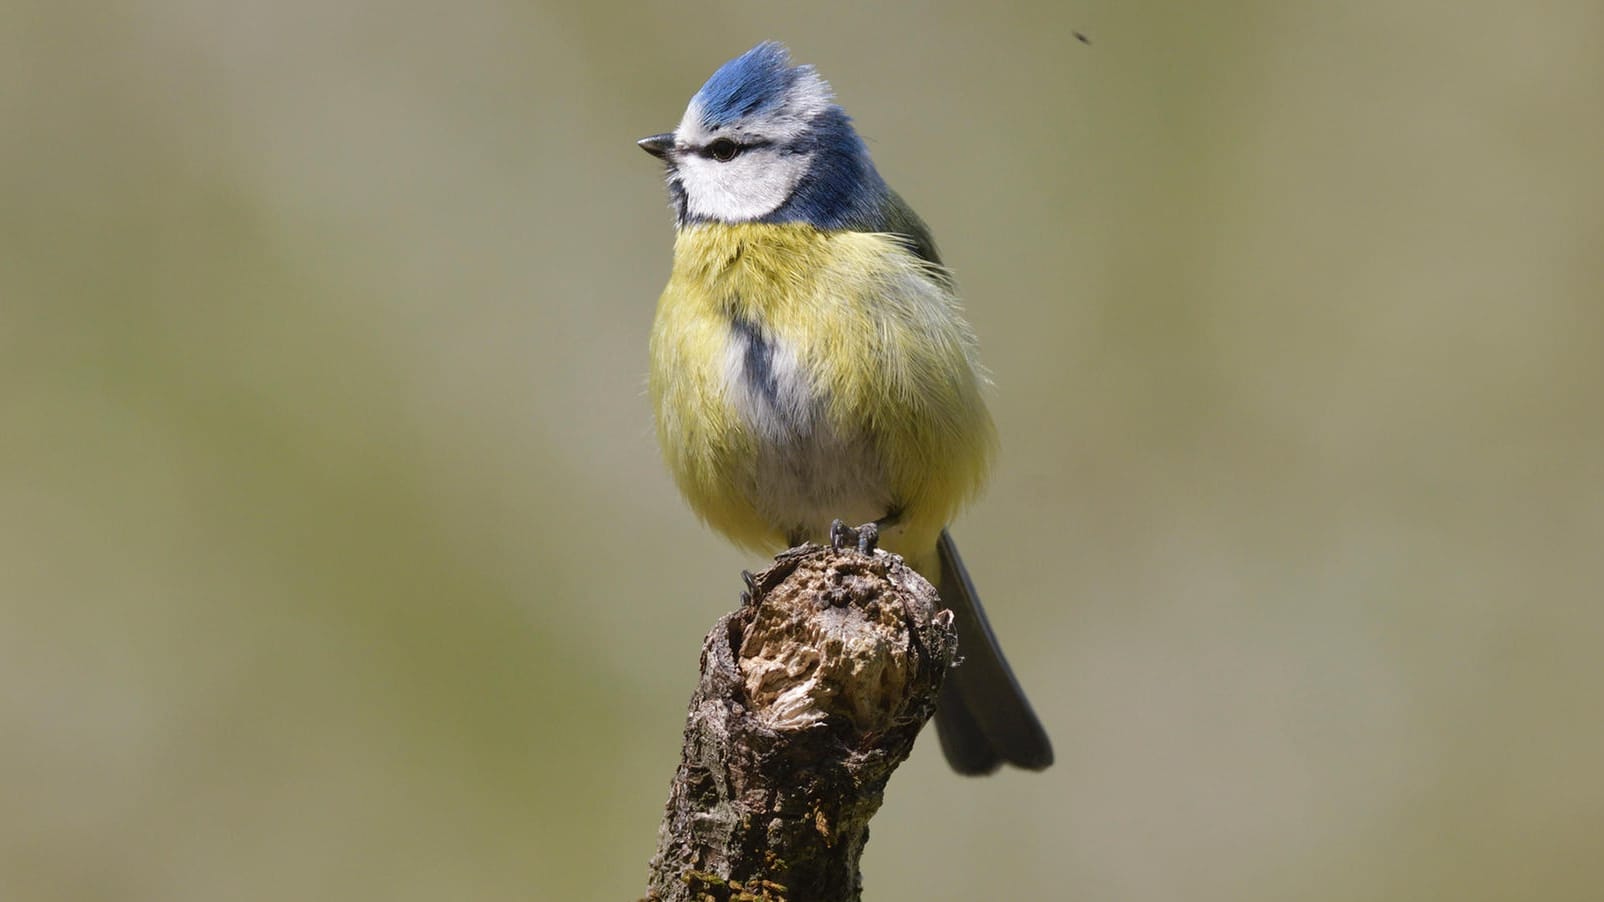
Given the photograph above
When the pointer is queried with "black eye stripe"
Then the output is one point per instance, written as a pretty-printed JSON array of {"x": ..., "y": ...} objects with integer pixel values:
[{"x": 716, "y": 149}]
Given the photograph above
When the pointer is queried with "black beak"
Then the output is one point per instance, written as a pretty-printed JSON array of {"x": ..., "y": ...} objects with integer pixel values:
[{"x": 657, "y": 145}]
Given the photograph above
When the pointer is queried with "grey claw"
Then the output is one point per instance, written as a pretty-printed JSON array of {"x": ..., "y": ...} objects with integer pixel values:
[
  {"x": 840, "y": 534},
  {"x": 868, "y": 538}
]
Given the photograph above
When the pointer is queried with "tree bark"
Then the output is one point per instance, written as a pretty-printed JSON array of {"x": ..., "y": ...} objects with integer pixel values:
[{"x": 811, "y": 694}]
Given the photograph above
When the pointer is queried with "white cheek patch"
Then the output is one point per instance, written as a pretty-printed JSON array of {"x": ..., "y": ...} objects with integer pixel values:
[
  {"x": 748, "y": 187},
  {"x": 758, "y": 181}
]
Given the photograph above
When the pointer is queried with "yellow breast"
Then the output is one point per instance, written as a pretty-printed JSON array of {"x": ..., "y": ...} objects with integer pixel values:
[{"x": 801, "y": 375}]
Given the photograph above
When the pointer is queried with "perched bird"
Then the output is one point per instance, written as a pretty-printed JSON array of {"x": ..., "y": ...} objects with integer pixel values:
[{"x": 809, "y": 362}]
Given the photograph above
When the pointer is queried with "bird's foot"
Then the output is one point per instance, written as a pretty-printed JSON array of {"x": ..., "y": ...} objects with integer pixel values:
[{"x": 866, "y": 536}]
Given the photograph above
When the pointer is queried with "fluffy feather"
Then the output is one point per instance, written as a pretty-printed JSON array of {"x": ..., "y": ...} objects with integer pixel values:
[
  {"x": 760, "y": 85},
  {"x": 875, "y": 404}
]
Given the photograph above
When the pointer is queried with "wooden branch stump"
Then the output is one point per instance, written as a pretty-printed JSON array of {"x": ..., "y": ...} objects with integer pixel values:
[{"x": 811, "y": 694}]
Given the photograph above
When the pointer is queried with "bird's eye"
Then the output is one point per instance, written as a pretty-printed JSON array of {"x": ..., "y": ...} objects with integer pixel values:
[{"x": 723, "y": 150}]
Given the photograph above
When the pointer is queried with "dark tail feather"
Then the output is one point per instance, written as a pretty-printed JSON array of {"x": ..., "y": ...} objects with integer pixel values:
[{"x": 982, "y": 718}]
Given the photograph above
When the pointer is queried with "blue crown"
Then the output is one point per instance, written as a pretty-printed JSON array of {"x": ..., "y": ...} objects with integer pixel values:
[{"x": 757, "y": 80}]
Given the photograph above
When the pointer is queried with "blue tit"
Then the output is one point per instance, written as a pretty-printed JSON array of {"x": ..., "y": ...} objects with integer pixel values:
[{"x": 809, "y": 362}]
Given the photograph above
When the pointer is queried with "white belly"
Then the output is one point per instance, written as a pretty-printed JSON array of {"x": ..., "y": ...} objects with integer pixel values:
[{"x": 806, "y": 472}]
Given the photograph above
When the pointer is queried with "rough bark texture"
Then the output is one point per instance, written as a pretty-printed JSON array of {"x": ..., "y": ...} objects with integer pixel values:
[{"x": 811, "y": 694}]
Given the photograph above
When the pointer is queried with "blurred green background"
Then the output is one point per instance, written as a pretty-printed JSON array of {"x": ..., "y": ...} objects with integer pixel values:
[{"x": 337, "y": 561}]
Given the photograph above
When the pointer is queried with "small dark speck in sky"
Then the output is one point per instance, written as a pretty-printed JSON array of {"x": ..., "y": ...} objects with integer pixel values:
[{"x": 1081, "y": 36}]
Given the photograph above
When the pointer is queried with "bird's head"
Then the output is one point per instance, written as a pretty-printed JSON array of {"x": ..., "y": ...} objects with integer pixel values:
[{"x": 764, "y": 141}]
